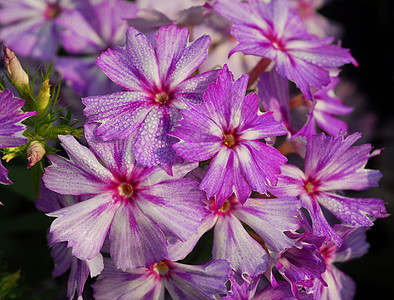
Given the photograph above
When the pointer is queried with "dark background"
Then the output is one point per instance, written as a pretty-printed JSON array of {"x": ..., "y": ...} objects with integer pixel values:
[{"x": 368, "y": 32}]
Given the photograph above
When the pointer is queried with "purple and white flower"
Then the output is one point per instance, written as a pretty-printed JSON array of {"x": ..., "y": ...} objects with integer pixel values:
[
  {"x": 11, "y": 127},
  {"x": 30, "y": 27},
  {"x": 86, "y": 35},
  {"x": 274, "y": 31},
  {"x": 157, "y": 87},
  {"x": 340, "y": 286},
  {"x": 180, "y": 280},
  {"x": 228, "y": 127},
  {"x": 79, "y": 270},
  {"x": 331, "y": 165},
  {"x": 137, "y": 206}
]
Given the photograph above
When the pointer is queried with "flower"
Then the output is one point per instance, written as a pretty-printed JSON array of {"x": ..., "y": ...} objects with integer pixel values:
[
  {"x": 35, "y": 152},
  {"x": 227, "y": 127},
  {"x": 157, "y": 86},
  {"x": 324, "y": 105},
  {"x": 340, "y": 286},
  {"x": 63, "y": 259},
  {"x": 274, "y": 95},
  {"x": 331, "y": 165},
  {"x": 181, "y": 281},
  {"x": 85, "y": 35},
  {"x": 30, "y": 27},
  {"x": 11, "y": 128},
  {"x": 276, "y": 32},
  {"x": 302, "y": 266},
  {"x": 136, "y": 205},
  {"x": 248, "y": 252},
  {"x": 17, "y": 75}
]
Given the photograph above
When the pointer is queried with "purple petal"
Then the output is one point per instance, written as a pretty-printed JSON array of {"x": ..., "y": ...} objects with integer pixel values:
[
  {"x": 177, "y": 60},
  {"x": 176, "y": 206},
  {"x": 78, "y": 36},
  {"x": 301, "y": 267},
  {"x": 140, "y": 283},
  {"x": 223, "y": 173},
  {"x": 116, "y": 155},
  {"x": 354, "y": 243},
  {"x": 62, "y": 258},
  {"x": 152, "y": 145},
  {"x": 233, "y": 243},
  {"x": 340, "y": 286},
  {"x": 353, "y": 211},
  {"x": 11, "y": 115},
  {"x": 178, "y": 250},
  {"x": 197, "y": 145},
  {"x": 198, "y": 282},
  {"x": 120, "y": 114},
  {"x": 274, "y": 94},
  {"x": 84, "y": 225},
  {"x": 82, "y": 174},
  {"x": 4, "y": 175},
  {"x": 291, "y": 182},
  {"x": 133, "y": 67},
  {"x": 270, "y": 218},
  {"x": 78, "y": 275},
  {"x": 261, "y": 164},
  {"x": 192, "y": 89},
  {"x": 135, "y": 240},
  {"x": 319, "y": 222}
]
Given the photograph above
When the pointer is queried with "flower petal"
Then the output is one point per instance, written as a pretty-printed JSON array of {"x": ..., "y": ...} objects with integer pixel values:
[
  {"x": 84, "y": 225},
  {"x": 136, "y": 241}
]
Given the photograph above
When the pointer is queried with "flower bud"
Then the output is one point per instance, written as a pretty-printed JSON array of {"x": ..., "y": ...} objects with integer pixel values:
[
  {"x": 10, "y": 153},
  {"x": 17, "y": 74},
  {"x": 35, "y": 152},
  {"x": 43, "y": 97}
]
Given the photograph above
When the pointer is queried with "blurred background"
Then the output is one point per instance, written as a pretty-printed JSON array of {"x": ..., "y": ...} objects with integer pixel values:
[{"x": 368, "y": 30}]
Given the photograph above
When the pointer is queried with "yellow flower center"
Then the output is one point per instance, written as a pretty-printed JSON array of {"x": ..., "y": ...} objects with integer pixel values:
[
  {"x": 229, "y": 140},
  {"x": 162, "y": 98},
  {"x": 161, "y": 268},
  {"x": 310, "y": 188},
  {"x": 226, "y": 206},
  {"x": 126, "y": 190}
]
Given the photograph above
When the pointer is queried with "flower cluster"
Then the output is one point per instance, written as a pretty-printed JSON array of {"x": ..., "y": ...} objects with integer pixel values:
[{"x": 178, "y": 148}]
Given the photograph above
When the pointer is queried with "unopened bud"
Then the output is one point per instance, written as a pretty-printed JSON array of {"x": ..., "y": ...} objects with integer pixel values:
[
  {"x": 35, "y": 152},
  {"x": 17, "y": 74},
  {"x": 43, "y": 96}
]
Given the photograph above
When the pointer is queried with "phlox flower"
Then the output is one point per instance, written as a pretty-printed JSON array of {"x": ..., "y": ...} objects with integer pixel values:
[
  {"x": 322, "y": 110},
  {"x": 332, "y": 164},
  {"x": 182, "y": 281},
  {"x": 63, "y": 259},
  {"x": 340, "y": 286},
  {"x": 302, "y": 266},
  {"x": 86, "y": 34},
  {"x": 273, "y": 92},
  {"x": 137, "y": 206},
  {"x": 30, "y": 27},
  {"x": 269, "y": 218},
  {"x": 274, "y": 31},
  {"x": 11, "y": 128},
  {"x": 157, "y": 87},
  {"x": 228, "y": 127},
  {"x": 316, "y": 23}
]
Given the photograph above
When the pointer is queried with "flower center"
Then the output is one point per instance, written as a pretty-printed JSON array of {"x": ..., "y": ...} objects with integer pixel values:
[
  {"x": 161, "y": 268},
  {"x": 226, "y": 206},
  {"x": 162, "y": 98},
  {"x": 229, "y": 140},
  {"x": 126, "y": 190},
  {"x": 52, "y": 11}
]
